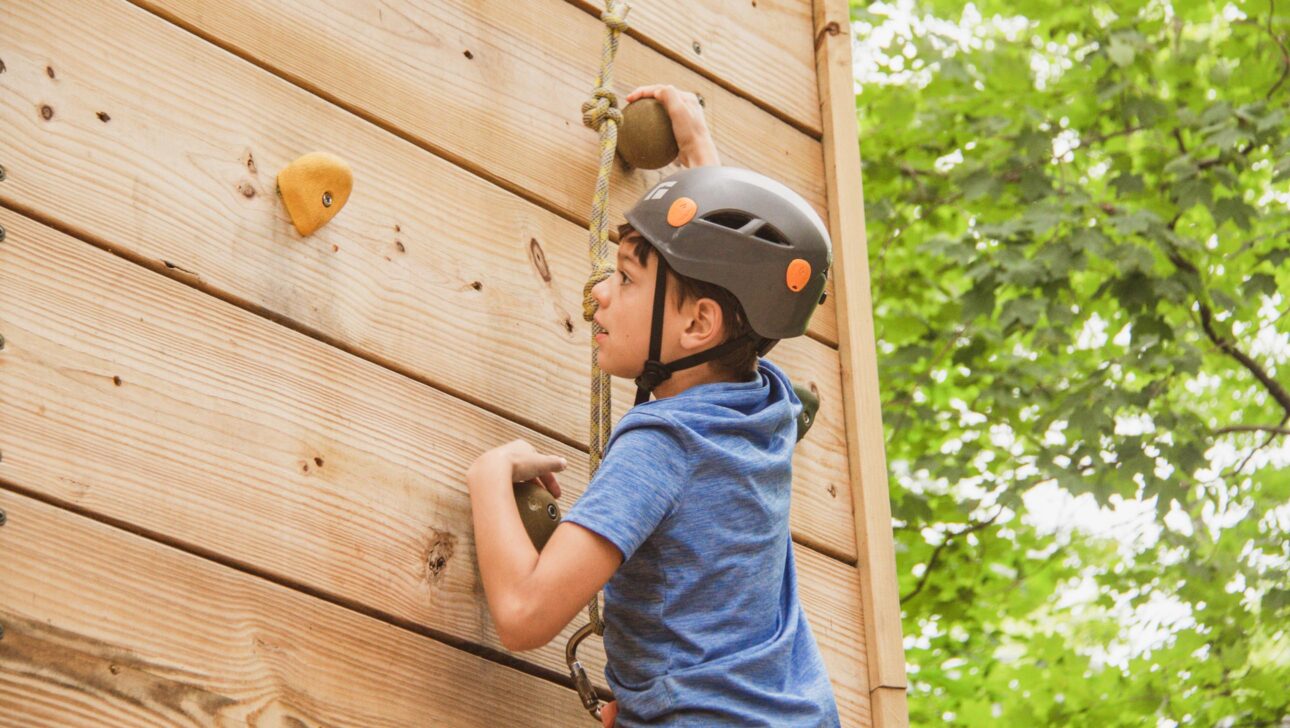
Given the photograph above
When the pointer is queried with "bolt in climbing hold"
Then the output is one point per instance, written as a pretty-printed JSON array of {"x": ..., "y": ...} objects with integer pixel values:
[
  {"x": 310, "y": 179},
  {"x": 538, "y": 511},
  {"x": 3, "y": 517},
  {"x": 1, "y": 173},
  {"x": 1, "y": 233},
  {"x": 1, "y": 341}
]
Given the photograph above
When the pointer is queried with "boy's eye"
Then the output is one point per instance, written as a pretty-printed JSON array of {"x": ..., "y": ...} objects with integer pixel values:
[{"x": 624, "y": 275}]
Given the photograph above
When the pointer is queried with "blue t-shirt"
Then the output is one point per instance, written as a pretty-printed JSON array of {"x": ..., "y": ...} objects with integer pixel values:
[{"x": 703, "y": 626}]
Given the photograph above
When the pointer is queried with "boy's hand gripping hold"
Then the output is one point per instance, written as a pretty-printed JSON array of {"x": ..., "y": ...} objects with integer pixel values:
[
  {"x": 688, "y": 124},
  {"x": 525, "y": 464}
]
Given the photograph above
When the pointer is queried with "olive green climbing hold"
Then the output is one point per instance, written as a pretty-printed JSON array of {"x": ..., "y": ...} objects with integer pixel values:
[
  {"x": 538, "y": 511},
  {"x": 810, "y": 405},
  {"x": 645, "y": 140}
]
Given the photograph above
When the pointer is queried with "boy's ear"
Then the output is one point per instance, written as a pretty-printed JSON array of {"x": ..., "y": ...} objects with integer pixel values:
[{"x": 706, "y": 325}]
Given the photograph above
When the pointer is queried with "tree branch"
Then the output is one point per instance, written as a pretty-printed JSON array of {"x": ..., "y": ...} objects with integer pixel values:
[
  {"x": 1285, "y": 54},
  {"x": 936, "y": 553},
  {"x": 1250, "y": 455},
  {"x": 1111, "y": 135},
  {"x": 1274, "y": 388},
  {"x": 1252, "y": 428}
]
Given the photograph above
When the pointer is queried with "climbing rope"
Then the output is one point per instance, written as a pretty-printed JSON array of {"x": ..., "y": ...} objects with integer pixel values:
[{"x": 601, "y": 113}]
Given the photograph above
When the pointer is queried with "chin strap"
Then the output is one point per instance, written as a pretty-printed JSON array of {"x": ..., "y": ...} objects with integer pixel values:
[{"x": 656, "y": 372}]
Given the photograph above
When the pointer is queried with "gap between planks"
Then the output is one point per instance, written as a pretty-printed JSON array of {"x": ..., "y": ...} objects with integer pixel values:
[
  {"x": 179, "y": 275},
  {"x": 500, "y": 657},
  {"x": 647, "y": 41},
  {"x": 444, "y": 154}
]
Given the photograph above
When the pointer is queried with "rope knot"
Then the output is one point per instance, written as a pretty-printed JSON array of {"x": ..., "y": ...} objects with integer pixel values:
[
  {"x": 589, "y": 305},
  {"x": 617, "y": 21},
  {"x": 602, "y": 105}
]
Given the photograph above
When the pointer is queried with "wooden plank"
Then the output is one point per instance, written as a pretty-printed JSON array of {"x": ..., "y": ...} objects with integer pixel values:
[
  {"x": 511, "y": 111},
  {"x": 830, "y": 593},
  {"x": 133, "y": 396},
  {"x": 859, "y": 359},
  {"x": 890, "y": 707},
  {"x": 102, "y": 627},
  {"x": 429, "y": 270},
  {"x": 759, "y": 49}
]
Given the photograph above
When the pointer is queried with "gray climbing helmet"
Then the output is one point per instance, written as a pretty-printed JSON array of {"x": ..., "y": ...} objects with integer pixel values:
[{"x": 742, "y": 231}]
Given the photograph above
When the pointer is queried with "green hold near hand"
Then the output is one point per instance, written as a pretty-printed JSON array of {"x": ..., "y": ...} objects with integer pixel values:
[
  {"x": 538, "y": 511},
  {"x": 645, "y": 140},
  {"x": 810, "y": 405}
]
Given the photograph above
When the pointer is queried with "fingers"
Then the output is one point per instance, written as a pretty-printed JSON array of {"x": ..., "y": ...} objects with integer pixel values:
[
  {"x": 650, "y": 91},
  {"x": 668, "y": 94},
  {"x": 549, "y": 482},
  {"x": 530, "y": 466},
  {"x": 608, "y": 713}
]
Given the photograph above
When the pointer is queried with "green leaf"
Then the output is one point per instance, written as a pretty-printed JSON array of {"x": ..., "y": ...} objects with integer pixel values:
[
  {"x": 1120, "y": 53},
  {"x": 1233, "y": 209},
  {"x": 979, "y": 183},
  {"x": 979, "y": 301},
  {"x": 1191, "y": 192},
  {"x": 1182, "y": 167},
  {"x": 1063, "y": 244},
  {"x": 1128, "y": 184},
  {"x": 1259, "y": 284}
]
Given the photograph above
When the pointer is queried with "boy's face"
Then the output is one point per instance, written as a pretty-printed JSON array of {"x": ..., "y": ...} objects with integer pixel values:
[{"x": 626, "y": 301}]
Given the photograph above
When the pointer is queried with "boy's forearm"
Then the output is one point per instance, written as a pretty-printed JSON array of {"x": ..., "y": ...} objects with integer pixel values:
[{"x": 505, "y": 554}]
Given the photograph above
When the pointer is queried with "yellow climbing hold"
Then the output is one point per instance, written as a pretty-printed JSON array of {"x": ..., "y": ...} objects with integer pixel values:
[{"x": 314, "y": 188}]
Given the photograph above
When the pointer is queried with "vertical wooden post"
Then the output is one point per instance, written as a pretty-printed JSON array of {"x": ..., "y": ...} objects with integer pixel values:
[{"x": 862, "y": 414}]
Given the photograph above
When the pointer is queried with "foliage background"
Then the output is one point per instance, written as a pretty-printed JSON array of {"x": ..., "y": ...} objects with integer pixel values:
[{"x": 1078, "y": 217}]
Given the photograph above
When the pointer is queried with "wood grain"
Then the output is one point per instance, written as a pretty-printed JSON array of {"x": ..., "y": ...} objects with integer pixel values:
[
  {"x": 428, "y": 270},
  {"x": 133, "y": 396},
  {"x": 511, "y": 111},
  {"x": 760, "y": 49},
  {"x": 102, "y": 627},
  {"x": 863, "y": 412}
]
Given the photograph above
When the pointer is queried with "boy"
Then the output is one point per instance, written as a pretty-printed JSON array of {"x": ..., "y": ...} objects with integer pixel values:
[{"x": 685, "y": 523}]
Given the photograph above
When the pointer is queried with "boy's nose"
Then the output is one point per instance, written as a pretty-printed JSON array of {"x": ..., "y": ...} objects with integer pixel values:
[{"x": 600, "y": 291}]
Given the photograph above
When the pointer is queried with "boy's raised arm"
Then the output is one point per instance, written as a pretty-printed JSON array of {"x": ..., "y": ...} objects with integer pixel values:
[{"x": 531, "y": 596}]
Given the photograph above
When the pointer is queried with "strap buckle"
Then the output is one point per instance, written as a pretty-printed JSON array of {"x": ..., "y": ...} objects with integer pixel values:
[{"x": 656, "y": 372}]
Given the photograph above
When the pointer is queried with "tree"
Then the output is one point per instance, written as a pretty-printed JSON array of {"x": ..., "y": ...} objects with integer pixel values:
[{"x": 1079, "y": 222}]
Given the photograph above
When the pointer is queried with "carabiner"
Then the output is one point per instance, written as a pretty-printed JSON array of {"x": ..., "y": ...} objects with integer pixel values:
[{"x": 580, "y": 680}]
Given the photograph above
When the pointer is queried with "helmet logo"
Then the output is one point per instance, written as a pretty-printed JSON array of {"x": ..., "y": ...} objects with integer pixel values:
[
  {"x": 660, "y": 190},
  {"x": 799, "y": 272},
  {"x": 681, "y": 211}
]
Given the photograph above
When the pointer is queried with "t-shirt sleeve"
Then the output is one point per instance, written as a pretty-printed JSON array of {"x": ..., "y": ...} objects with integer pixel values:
[{"x": 638, "y": 484}]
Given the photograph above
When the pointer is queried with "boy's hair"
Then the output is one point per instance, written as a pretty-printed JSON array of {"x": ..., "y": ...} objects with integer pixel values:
[{"x": 742, "y": 362}]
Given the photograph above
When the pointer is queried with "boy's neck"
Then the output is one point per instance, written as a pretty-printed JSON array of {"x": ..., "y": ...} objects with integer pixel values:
[{"x": 692, "y": 377}]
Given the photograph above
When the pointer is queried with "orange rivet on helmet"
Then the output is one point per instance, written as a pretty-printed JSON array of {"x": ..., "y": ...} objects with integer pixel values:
[
  {"x": 799, "y": 272},
  {"x": 681, "y": 212}
]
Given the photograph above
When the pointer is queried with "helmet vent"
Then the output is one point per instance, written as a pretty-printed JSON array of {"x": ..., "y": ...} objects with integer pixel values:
[
  {"x": 729, "y": 218},
  {"x": 742, "y": 221},
  {"x": 772, "y": 234}
]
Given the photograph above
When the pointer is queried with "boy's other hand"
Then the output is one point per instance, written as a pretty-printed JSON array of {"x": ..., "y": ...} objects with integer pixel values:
[
  {"x": 525, "y": 464},
  {"x": 688, "y": 124},
  {"x": 608, "y": 714}
]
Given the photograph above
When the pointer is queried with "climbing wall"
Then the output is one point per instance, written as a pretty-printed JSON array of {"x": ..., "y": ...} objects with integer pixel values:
[{"x": 232, "y": 459}]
